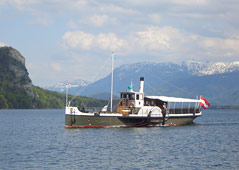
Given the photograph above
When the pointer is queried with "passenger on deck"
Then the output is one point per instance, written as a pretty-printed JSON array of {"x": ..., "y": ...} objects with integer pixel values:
[{"x": 164, "y": 112}]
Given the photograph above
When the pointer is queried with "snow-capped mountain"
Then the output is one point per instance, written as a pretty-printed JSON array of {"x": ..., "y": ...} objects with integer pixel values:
[
  {"x": 220, "y": 68},
  {"x": 216, "y": 81},
  {"x": 201, "y": 68},
  {"x": 61, "y": 86},
  {"x": 194, "y": 66}
]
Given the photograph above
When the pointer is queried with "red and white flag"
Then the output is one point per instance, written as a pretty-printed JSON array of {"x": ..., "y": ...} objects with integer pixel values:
[{"x": 204, "y": 103}]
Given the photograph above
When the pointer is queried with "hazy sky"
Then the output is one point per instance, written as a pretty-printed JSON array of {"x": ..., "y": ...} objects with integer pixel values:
[{"x": 73, "y": 39}]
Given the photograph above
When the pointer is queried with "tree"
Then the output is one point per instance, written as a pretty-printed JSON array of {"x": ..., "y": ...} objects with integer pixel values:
[{"x": 3, "y": 102}]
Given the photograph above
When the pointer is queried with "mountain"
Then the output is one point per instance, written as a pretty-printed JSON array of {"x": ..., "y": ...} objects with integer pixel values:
[
  {"x": 220, "y": 68},
  {"x": 218, "y": 82},
  {"x": 18, "y": 92},
  {"x": 74, "y": 86},
  {"x": 127, "y": 73}
]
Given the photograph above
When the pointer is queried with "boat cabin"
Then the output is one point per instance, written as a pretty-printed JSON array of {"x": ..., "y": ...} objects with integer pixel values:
[
  {"x": 131, "y": 102},
  {"x": 130, "y": 99},
  {"x": 173, "y": 104}
]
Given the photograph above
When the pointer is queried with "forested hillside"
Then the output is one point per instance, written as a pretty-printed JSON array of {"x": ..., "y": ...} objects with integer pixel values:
[{"x": 50, "y": 99}]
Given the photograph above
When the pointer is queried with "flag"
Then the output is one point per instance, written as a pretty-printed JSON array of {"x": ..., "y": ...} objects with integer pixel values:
[
  {"x": 114, "y": 57},
  {"x": 204, "y": 103}
]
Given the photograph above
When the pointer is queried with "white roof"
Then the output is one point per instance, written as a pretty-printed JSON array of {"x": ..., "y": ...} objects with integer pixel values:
[{"x": 172, "y": 99}]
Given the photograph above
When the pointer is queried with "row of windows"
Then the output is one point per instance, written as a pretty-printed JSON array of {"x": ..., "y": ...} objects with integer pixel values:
[
  {"x": 124, "y": 102},
  {"x": 150, "y": 103},
  {"x": 131, "y": 96}
]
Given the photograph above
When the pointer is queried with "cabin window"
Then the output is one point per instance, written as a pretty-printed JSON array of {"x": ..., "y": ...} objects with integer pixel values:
[
  {"x": 123, "y": 103},
  {"x": 120, "y": 103},
  {"x": 130, "y": 97},
  {"x": 147, "y": 103},
  {"x": 133, "y": 96},
  {"x": 137, "y": 96},
  {"x": 124, "y": 96},
  {"x": 126, "y": 102}
]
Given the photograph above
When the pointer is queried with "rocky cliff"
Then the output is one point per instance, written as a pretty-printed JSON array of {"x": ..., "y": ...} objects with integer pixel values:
[{"x": 15, "y": 84}]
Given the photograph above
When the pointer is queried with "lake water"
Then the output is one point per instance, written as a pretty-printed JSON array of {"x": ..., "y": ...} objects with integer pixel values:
[{"x": 37, "y": 139}]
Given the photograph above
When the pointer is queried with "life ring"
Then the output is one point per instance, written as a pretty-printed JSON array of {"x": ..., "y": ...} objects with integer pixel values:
[{"x": 131, "y": 105}]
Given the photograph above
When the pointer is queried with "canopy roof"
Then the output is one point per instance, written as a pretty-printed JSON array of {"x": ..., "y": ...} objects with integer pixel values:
[{"x": 171, "y": 99}]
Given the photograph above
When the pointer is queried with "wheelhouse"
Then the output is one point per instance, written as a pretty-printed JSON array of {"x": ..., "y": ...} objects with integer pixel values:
[{"x": 130, "y": 99}]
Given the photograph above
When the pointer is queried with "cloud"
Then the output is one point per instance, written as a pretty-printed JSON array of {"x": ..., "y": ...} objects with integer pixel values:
[
  {"x": 148, "y": 44},
  {"x": 56, "y": 67},
  {"x": 24, "y": 5},
  {"x": 116, "y": 8},
  {"x": 43, "y": 12},
  {"x": 86, "y": 41},
  {"x": 98, "y": 13},
  {"x": 2, "y": 44},
  {"x": 155, "y": 38},
  {"x": 2, "y": 1},
  {"x": 94, "y": 21},
  {"x": 168, "y": 42},
  {"x": 98, "y": 20},
  {"x": 137, "y": 30},
  {"x": 219, "y": 47},
  {"x": 163, "y": 43},
  {"x": 78, "y": 39},
  {"x": 155, "y": 18},
  {"x": 186, "y": 2},
  {"x": 110, "y": 41},
  {"x": 233, "y": 34}
]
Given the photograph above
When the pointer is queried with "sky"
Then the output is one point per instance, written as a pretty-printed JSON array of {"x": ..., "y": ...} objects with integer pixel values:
[{"x": 66, "y": 40}]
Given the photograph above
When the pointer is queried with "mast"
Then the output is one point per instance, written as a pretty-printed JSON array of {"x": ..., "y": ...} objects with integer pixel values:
[
  {"x": 112, "y": 77},
  {"x": 67, "y": 85}
]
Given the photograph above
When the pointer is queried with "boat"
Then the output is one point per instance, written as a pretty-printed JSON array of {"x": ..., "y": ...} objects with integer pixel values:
[{"x": 134, "y": 109}]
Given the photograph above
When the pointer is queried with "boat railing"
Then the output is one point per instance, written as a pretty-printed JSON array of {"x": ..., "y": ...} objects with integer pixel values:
[
  {"x": 184, "y": 110},
  {"x": 90, "y": 109}
]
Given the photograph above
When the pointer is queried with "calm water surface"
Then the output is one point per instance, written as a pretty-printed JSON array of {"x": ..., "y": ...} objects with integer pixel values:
[{"x": 37, "y": 139}]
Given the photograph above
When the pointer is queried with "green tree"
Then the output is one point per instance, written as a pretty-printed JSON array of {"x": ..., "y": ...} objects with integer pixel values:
[{"x": 3, "y": 102}]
